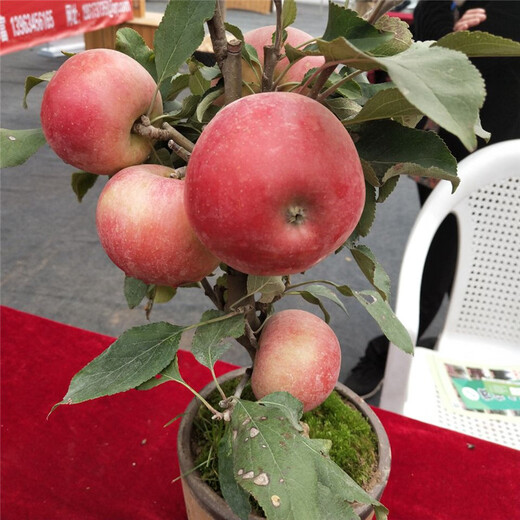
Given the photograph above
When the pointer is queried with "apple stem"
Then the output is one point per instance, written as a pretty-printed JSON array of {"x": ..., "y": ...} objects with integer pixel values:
[{"x": 272, "y": 52}]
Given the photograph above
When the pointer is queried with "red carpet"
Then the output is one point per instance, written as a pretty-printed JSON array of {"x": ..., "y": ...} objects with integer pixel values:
[{"x": 111, "y": 459}]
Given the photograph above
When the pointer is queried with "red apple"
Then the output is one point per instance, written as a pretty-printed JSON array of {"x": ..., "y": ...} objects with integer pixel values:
[
  {"x": 298, "y": 353},
  {"x": 89, "y": 108},
  {"x": 262, "y": 36},
  {"x": 144, "y": 230},
  {"x": 274, "y": 184}
]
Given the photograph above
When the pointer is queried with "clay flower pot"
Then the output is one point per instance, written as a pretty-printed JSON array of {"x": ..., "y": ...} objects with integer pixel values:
[{"x": 202, "y": 503}]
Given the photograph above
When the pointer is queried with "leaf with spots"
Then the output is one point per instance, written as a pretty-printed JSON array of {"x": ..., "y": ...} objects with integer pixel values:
[{"x": 290, "y": 475}]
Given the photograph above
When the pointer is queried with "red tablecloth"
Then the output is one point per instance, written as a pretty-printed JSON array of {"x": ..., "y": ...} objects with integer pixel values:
[{"x": 112, "y": 459}]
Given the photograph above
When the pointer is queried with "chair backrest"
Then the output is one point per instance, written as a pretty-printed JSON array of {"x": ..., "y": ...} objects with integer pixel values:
[{"x": 484, "y": 308}]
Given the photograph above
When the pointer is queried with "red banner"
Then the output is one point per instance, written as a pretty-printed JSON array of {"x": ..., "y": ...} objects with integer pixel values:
[{"x": 28, "y": 23}]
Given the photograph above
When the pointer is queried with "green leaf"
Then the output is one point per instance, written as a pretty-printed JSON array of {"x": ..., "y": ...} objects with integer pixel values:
[
  {"x": 372, "y": 269},
  {"x": 290, "y": 475},
  {"x": 289, "y": 11},
  {"x": 385, "y": 104},
  {"x": 479, "y": 44},
  {"x": 343, "y": 108},
  {"x": 401, "y": 40},
  {"x": 135, "y": 290},
  {"x": 391, "y": 149},
  {"x": 16, "y": 146},
  {"x": 369, "y": 211},
  {"x": 132, "y": 44},
  {"x": 197, "y": 82},
  {"x": 269, "y": 286},
  {"x": 136, "y": 356},
  {"x": 167, "y": 374},
  {"x": 186, "y": 109},
  {"x": 236, "y": 497},
  {"x": 442, "y": 84},
  {"x": 234, "y": 30},
  {"x": 207, "y": 344},
  {"x": 345, "y": 23},
  {"x": 381, "y": 311},
  {"x": 178, "y": 83},
  {"x": 81, "y": 182},
  {"x": 386, "y": 189},
  {"x": 207, "y": 101},
  {"x": 32, "y": 81},
  {"x": 179, "y": 34},
  {"x": 319, "y": 291}
]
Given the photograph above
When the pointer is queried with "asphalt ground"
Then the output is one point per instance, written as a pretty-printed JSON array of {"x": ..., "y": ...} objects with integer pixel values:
[{"x": 52, "y": 263}]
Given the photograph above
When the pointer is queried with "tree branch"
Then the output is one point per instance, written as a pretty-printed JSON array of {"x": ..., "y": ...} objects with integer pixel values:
[
  {"x": 232, "y": 72},
  {"x": 272, "y": 52}
]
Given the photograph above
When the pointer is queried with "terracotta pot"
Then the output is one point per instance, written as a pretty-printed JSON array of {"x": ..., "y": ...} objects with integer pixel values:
[{"x": 202, "y": 503}]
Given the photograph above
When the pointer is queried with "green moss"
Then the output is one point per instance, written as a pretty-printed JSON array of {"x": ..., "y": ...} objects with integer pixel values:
[{"x": 354, "y": 444}]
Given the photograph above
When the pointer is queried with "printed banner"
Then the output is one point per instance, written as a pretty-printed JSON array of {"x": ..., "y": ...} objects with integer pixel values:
[{"x": 28, "y": 23}]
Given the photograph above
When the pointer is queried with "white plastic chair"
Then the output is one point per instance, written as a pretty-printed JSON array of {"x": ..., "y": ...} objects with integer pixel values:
[{"x": 483, "y": 317}]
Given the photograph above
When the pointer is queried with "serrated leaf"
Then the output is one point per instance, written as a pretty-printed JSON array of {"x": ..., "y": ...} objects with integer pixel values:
[
  {"x": 289, "y": 11},
  {"x": 179, "y": 34},
  {"x": 235, "y": 496},
  {"x": 131, "y": 43},
  {"x": 346, "y": 23},
  {"x": 381, "y": 311},
  {"x": 32, "y": 81},
  {"x": 135, "y": 290},
  {"x": 372, "y": 269},
  {"x": 136, "y": 356},
  {"x": 183, "y": 110},
  {"x": 269, "y": 286},
  {"x": 479, "y": 44},
  {"x": 385, "y": 104},
  {"x": 442, "y": 84},
  {"x": 386, "y": 189},
  {"x": 207, "y": 346},
  {"x": 369, "y": 212},
  {"x": 81, "y": 182},
  {"x": 391, "y": 149},
  {"x": 287, "y": 405},
  {"x": 16, "y": 146},
  {"x": 166, "y": 375},
  {"x": 401, "y": 40},
  {"x": 289, "y": 475}
]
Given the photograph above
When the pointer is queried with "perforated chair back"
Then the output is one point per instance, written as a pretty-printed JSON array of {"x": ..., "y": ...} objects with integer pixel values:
[{"x": 483, "y": 317}]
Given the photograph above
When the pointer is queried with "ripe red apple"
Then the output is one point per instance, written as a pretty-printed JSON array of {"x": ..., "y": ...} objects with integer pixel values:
[
  {"x": 144, "y": 230},
  {"x": 274, "y": 184},
  {"x": 262, "y": 36},
  {"x": 89, "y": 108},
  {"x": 298, "y": 353}
]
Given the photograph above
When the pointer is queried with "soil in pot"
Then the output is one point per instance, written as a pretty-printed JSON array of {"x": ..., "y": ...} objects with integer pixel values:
[{"x": 354, "y": 443}]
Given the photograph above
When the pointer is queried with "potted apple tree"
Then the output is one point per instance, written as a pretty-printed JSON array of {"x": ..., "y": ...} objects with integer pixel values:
[{"x": 235, "y": 176}]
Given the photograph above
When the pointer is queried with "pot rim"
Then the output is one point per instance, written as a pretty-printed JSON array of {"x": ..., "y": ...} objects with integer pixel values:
[{"x": 216, "y": 504}]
